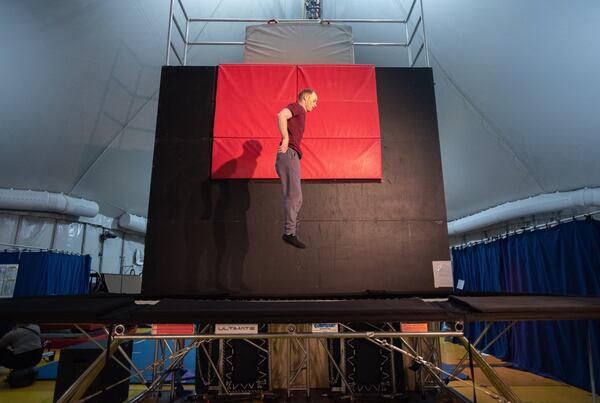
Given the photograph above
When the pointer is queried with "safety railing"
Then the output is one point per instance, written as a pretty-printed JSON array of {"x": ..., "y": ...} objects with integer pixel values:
[{"x": 413, "y": 24}]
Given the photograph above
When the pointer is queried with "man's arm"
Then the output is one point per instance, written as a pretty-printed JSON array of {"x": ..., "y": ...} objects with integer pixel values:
[{"x": 282, "y": 117}]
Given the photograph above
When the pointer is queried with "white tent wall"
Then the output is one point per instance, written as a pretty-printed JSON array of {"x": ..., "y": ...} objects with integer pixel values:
[
  {"x": 68, "y": 236},
  {"x": 83, "y": 85},
  {"x": 8, "y": 229},
  {"x": 31, "y": 231},
  {"x": 35, "y": 232},
  {"x": 528, "y": 75}
]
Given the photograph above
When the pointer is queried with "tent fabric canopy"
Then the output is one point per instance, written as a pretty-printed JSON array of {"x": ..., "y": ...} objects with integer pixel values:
[{"x": 516, "y": 90}]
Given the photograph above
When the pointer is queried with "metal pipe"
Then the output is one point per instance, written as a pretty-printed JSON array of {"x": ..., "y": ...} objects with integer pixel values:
[
  {"x": 109, "y": 387},
  {"x": 109, "y": 354},
  {"x": 51, "y": 202},
  {"x": 425, "y": 35},
  {"x": 591, "y": 362},
  {"x": 317, "y": 21},
  {"x": 269, "y": 355},
  {"x": 101, "y": 253},
  {"x": 179, "y": 28},
  {"x": 380, "y": 44},
  {"x": 458, "y": 368},
  {"x": 435, "y": 376},
  {"x": 506, "y": 329},
  {"x": 183, "y": 10},
  {"x": 174, "y": 362},
  {"x": 342, "y": 377},
  {"x": 19, "y": 224},
  {"x": 169, "y": 31},
  {"x": 215, "y": 43},
  {"x": 529, "y": 228},
  {"x": 83, "y": 238},
  {"x": 300, "y": 366},
  {"x": 432, "y": 366},
  {"x": 176, "y": 54},
  {"x": 502, "y": 388},
  {"x": 368, "y": 20},
  {"x": 412, "y": 7},
  {"x": 113, "y": 357},
  {"x": 212, "y": 364},
  {"x": 540, "y": 204},
  {"x": 53, "y": 239},
  {"x": 307, "y": 368},
  {"x": 257, "y": 346},
  {"x": 244, "y": 20},
  {"x": 357, "y": 335},
  {"x": 417, "y": 56},
  {"x": 172, "y": 390},
  {"x": 122, "y": 263},
  {"x": 13, "y": 245},
  {"x": 408, "y": 49},
  {"x": 166, "y": 344},
  {"x": 412, "y": 36},
  {"x": 155, "y": 360},
  {"x": 289, "y": 368},
  {"x": 139, "y": 373},
  {"x": 185, "y": 45}
]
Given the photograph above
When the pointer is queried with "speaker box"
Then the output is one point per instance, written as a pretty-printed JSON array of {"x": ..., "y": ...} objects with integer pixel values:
[{"x": 76, "y": 359}]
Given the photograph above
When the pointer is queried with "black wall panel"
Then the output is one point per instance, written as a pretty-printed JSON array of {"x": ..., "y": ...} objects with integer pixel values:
[
  {"x": 76, "y": 359},
  {"x": 212, "y": 237}
]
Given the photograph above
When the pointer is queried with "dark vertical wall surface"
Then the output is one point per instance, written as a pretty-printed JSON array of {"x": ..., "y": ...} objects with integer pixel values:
[{"x": 207, "y": 237}]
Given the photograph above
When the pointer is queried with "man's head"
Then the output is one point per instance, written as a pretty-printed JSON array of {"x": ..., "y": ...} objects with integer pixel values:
[{"x": 308, "y": 99}]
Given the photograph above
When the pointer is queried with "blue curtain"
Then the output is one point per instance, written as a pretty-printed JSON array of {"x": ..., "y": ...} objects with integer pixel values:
[
  {"x": 49, "y": 273},
  {"x": 563, "y": 260},
  {"x": 9, "y": 257},
  {"x": 478, "y": 267}
]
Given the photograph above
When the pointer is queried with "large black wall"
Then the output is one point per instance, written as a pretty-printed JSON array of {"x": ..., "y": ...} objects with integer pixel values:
[{"x": 207, "y": 237}]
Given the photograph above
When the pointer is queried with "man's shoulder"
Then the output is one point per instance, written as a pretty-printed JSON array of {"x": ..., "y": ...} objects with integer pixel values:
[{"x": 295, "y": 108}]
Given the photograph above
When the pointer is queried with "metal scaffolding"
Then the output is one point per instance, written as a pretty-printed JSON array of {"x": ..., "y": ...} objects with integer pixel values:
[
  {"x": 412, "y": 23},
  {"x": 405, "y": 343}
]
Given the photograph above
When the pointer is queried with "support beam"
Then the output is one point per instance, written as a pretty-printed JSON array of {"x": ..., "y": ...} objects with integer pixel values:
[{"x": 489, "y": 372}]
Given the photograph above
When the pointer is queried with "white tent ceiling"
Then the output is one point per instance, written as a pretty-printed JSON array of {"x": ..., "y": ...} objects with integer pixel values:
[{"x": 517, "y": 87}]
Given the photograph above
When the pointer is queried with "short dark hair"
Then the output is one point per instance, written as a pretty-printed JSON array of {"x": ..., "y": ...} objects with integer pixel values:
[{"x": 306, "y": 91}]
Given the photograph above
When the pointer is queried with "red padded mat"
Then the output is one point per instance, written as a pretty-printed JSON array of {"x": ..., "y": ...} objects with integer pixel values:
[{"x": 342, "y": 136}]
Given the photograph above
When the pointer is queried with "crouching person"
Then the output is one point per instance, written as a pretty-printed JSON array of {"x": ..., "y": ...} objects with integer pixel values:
[{"x": 21, "y": 350}]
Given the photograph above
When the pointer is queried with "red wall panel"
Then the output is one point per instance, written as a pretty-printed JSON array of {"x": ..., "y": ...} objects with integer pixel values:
[
  {"x": 276, "y": 82},
  {"x": 342, "y": 120},
  {"x": 341, "y": 139},
  {"x": 339, "y": 82},
  {"x": 341, "y": 159}
]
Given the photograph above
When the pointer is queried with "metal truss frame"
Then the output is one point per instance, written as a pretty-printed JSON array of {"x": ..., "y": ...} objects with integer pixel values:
[
  {"x": 182, "y": 30},
  {"x": 432, "y": 375}
]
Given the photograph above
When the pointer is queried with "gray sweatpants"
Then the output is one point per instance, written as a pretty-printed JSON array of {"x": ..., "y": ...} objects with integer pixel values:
[{"x": 288, "y": 169}]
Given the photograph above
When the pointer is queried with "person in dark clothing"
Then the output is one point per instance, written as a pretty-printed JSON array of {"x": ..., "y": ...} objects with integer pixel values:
[
  {"x": 290, "y": 121},
  {"x": 21, "y": 347}
]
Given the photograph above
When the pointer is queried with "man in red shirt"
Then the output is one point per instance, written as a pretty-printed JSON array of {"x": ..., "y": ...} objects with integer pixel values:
[{"x": 290, "y": 121}]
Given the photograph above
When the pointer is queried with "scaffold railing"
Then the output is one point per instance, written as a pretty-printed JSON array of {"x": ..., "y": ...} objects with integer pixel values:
[{"x": 413, "y": 25}]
